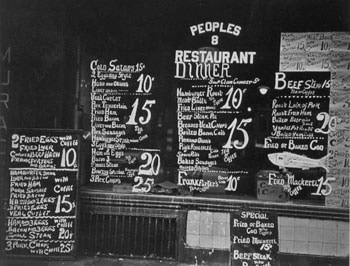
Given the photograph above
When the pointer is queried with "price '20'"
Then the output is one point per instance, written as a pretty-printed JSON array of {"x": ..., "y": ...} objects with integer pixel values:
[
  {"x": 328, "y": 121},
  {"x": 152, "y": 165}
]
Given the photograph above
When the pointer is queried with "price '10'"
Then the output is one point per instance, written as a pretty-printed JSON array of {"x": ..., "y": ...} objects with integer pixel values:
[
  {"x": 68, "y": 158},
  {"x": 145, "y": 83},
  {"x": 236, "y": 99}
]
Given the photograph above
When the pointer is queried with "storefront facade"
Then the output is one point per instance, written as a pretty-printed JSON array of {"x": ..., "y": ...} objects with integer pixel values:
[{"x": 210, "y": 132}]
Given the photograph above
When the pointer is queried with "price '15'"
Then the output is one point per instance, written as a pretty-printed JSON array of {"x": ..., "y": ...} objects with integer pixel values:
[
  {"x": 63, "y": 204},
  {"x": 146, "y": 108},
  {"x": 236, "y": 143}
]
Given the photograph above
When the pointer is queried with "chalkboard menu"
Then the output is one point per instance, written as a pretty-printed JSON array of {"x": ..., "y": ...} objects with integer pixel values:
[
  {"x": 215, "y": 88},
  {"x": 299, "y": 128},
  {"x": 310, "y": 118},
  {"x": 122, "y": 108},
  {"x": 299, "y": 112},
  {"x": 254, "y": 238},
  {"x": 43, "y": 182}
]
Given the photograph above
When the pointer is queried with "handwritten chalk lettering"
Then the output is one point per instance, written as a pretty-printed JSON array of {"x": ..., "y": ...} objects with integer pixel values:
[
  {"x": 110, "y": 98},
  {"x": 232, "y": 183},
  {"x": 266, "y": 244},
  {"x": 183, "y": 161},
  {"x": 228, "y": 157},
  {"x": 253, "y": 215},
  {"x": 242, "y": 256},
  {"x": 279, "y": 120},
  {"x": 251, "y": 231},
  {"x": 276, "y": 104},
  {"x": 238, "y": 223},
  {"x": 63, "y": 204},
  {"x": 181, "y": 93},
  {"x": 235, "y": 144},
  {"x": 269, "y": 144},
  {"x": 213, "y": 154},
  {"x": 97, "y": 83},
  {"x": 59, "y": 188},
  {"x": 114, "y": 66},
  {"x": 145, "y": 83},
  {"x": 141, "y": 185},
  {"x": 28, "y": 148},
  {"x": 188, "y": 154},
  {"x": 181, "y": 116},
  {"x": 241, "y": 240},
  {"x": 124, "y": 76},
  {"x": 68, "y": 158},
  {"x": 235, "y": 81},
  {"x": 202, "y": 132},
  {"x": 281, "y": 83},
  {"x": 145, "y": 108},
  {"x": 183, "y": 108},
  {"x": 201, "y": 116},
  {"x": 324, "y": 182},
  {"x": 236, "y": 99},
  {"x": 152, "y": 165},
  {"x": 94, "y": 65},
  {"x": 208, "y": 163},
  {"x": 221, "y": 27},
  {"x": 329, "y": 122},
  {"x": 293, "y": 146},
  {"x": 63, "y": 223},
  {"x": 273, "y": 179},
  {"x": 201, "y": 70},
  {"x": 316, "y": 147},
  {"x": 65, "y": 234},
  {"x": 190, "y": 181},
  {"x": 69, "y": 143},
  {"x": 187, "y": 132}
]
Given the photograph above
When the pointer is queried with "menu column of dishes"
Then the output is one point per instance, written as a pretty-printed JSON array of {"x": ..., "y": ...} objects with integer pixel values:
[
  {"x": 43, "y": 176},
  {"x": 121, "y": 119},
  {"x": 215, "y": 85}
]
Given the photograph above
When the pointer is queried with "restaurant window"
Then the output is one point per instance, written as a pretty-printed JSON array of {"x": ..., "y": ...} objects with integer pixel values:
[{"x": 216, "y": 99}]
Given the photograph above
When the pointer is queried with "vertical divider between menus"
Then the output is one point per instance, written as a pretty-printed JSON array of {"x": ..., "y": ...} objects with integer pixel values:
[
  {"x": 4, "y": 190},
  {"x": 77, "y": 198}
]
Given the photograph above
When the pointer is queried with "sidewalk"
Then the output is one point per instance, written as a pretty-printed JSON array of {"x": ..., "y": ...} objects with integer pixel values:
[{"x": 97, "y": 261}]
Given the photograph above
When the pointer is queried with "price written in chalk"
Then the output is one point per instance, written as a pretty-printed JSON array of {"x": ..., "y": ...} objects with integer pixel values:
[
  {"x": 145, "y": 108},
  {"x": 63, "y": 204},
  {"x": 69, "y": 158},
  {"x": 151, "y": 167},
  {"x": 236, "y": 143}
]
